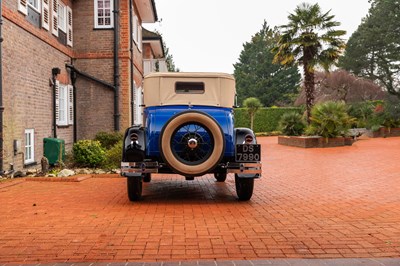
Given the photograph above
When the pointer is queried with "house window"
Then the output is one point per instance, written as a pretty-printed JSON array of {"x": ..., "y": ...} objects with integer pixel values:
[
  {"x": 64, "y": 105},
  {"x": 29, "y": 146},
  {"x": 62, "y": 21},
  {"x": 103, "y": 14},
  {"x": 137, "y": 33},
  {"x": 35, "y": 4}
]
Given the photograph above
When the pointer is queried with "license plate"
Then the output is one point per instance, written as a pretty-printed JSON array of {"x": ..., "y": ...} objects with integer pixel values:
[{"x": 248, "y": 152}]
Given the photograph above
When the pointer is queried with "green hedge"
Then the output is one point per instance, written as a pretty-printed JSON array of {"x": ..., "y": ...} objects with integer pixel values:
[{"x": 266, "y": 119}]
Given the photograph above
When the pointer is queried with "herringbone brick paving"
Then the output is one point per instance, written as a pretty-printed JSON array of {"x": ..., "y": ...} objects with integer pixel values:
[{"x": 311, "y": 203}]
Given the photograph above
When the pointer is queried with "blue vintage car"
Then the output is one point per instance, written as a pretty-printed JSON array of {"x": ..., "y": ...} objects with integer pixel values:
[{"x": 188, "y": 129}]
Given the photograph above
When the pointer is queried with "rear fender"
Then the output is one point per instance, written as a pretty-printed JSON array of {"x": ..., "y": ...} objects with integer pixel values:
[
  {"x": 134, "y": 144},
  {"x": 240, "y": 134}
]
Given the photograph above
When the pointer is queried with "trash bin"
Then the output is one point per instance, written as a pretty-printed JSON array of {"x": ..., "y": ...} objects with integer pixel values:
[{"x": 54, "y": 150}]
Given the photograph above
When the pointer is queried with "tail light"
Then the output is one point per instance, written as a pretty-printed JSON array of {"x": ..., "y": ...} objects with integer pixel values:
[{"x": 248, "y": 139}]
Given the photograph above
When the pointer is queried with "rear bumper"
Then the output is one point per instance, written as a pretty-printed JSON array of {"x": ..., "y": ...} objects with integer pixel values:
[
  {"x": 244, "y": 168},
  {"x": 138, "y": 168}
]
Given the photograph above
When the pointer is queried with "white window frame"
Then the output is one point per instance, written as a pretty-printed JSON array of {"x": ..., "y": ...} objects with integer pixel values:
[
  {"x": 62, "y": 105},
  {"x": 96, "y": 15},
  {"x": 29, "y": 150},
  {"x": 62, "y": 17},
  {"x": 37, "y": 8},
  {"x": 137, "y": 33}
]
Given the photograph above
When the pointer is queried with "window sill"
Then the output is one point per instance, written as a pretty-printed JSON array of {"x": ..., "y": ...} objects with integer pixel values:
[
  {"x": 110, "y": 28},
  {"x": 63, "y": 126},
  {"x": 30, "y": 164}
]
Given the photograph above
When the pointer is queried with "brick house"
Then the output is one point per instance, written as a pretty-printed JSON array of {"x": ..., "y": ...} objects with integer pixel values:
[{"x": 70, "y": 68}]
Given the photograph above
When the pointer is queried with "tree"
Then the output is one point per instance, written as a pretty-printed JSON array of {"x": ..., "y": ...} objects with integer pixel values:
[
  {"x": 257, "y": 76},
  {"x": 373, "y": 49},
  {"x": 310, "y": 40},
  {"x": 341, "y": 85},
  {"x": 253, "y": 105},
  {"x": 170, "y": 60}
]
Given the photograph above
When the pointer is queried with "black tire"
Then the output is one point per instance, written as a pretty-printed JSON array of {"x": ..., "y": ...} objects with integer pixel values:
[
  {"x": 244, "y": 187},
  {"x": 221, "y": 177},
  {"x": 192, "y": 143},
  {"x": 134, "y": 185},
  {"x": 146, "y": 177}
]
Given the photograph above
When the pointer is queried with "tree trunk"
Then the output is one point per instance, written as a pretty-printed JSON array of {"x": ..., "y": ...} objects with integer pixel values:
[
  {"x": 309, "y": 87},
  {"x": 251, "y": 121}
]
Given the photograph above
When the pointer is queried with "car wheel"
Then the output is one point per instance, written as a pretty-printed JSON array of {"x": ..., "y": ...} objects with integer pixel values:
[
  {"x": 146, "y": 177},
  {"x": 221, "y": 177},
  {"x": 134, "y": 185},
  {"x": 244, "y": 187},
  {"x": 192, "y": 143}
]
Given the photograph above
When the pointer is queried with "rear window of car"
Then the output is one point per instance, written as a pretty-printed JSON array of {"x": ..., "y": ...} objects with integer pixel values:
[{"x": 189, "y": 87}]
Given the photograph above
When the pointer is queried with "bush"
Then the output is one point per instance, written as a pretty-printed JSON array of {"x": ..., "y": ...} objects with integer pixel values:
[
  {"x": 265, "y": 120},
  {"x": 88, "y": 153},
  {"x": 329, "y": 120},
  {"x": 113, "y": 156},
  {"x": 108, "y": 139},
  {"x": 362, "y": 111},
  {"x": 292, "y": 124}
]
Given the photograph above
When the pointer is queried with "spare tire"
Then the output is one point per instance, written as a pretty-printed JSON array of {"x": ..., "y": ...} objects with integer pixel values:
[{"x": 192, "y": 143}]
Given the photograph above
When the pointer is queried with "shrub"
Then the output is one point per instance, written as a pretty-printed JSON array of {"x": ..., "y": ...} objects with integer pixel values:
[
  {"x": 329, "y": 120},
  {"x": 88, "y": 153},
  {"x": 292, "y": 124},
  {"x": 108, "y": 139},
  {"x": 362, "y": 111},
  {"x": 113, "y": 156},
  {"x": 385, "y": 114}
]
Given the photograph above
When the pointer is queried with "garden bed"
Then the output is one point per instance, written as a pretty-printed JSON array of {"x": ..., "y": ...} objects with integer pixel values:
[
  {"x": 384, "y": 132},
  {"x": 314, "y": 141}
]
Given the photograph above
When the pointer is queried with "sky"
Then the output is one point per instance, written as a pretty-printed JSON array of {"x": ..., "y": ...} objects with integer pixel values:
[{"x": 208, "y": 35}]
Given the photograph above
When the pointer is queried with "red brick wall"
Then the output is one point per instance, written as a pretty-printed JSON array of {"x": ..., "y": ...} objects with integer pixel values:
[
  {"x": 29, "y": 54},
  {"x": 94, "y": 50},
  {"x": 27, "y": 64}
]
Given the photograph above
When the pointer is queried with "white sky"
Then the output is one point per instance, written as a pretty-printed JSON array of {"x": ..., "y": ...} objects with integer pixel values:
[{"x": 208, "y": 35}]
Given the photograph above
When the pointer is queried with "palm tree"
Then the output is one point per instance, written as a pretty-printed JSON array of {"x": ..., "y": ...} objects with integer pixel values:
[
  {"x": 253, "y": 105},
  {"x": 309, "y": 40}
]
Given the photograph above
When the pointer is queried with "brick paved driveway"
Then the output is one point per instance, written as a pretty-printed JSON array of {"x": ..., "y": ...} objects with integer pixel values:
[{"x": 311, "y": 203}]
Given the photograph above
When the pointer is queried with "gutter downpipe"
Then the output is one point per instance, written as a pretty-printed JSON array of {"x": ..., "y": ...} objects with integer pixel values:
[
  {"x": 1, "y": 90},
  {"x": 73, "y": 76},
  {"x": 117, "y": 115},
  {"x": 131, "y": 61},
  {"x": 54, "y": 72}
]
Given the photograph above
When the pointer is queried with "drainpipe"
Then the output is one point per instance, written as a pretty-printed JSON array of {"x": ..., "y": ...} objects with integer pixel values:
[
  {"x": 73, "y": 81},
  {"x": 116, "y": 66},
  {"x": 74, "y": 72},
  {"x": 54, "y": 72},
  {"x": 132, "y": 62},
  {"x": 1, "y": 91}
]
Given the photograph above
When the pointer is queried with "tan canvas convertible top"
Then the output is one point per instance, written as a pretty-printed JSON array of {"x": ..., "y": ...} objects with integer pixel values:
[{"x": 212, "y": 89}]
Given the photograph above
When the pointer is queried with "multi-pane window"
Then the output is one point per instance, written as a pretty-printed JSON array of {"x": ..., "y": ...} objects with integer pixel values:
[
  {"x": 62, "y": 21},
  {"x": 52, "y": 15},
  {"x": 29, "y": 146},
  {"x": 64, "y": 105},
  {"x": 103, "y": 13},
  {"x": 137, "y": 32},
  {"x": 35, "y": 4}
]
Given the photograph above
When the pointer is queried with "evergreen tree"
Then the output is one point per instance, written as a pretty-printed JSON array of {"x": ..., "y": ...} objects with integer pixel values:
[
  {"x": 373, "y": 51},
  {"x": 256, "y": 75}
]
